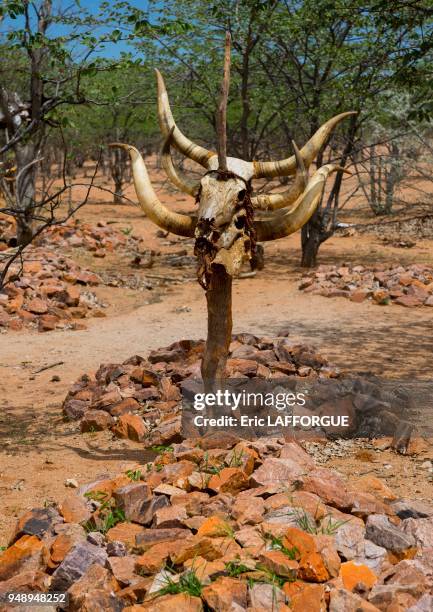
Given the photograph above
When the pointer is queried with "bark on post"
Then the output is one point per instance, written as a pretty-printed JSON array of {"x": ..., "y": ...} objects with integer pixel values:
[{"x": 219, "y": 327}]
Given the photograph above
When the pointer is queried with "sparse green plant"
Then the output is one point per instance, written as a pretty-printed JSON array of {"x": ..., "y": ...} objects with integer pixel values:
[
  {"x": 277, "y": 544},
  {"x": 305, "y": 523},
  {"x": 109, "y": 515},
  {"x": 134, "y": 474},
  {"x": 126, "y": 230},
  {"x": 236, "y": 568},
  {"x": 161, "y": 449},
  {"x": 187, "y": 583},
  {"x": 271, "y": 577},
  {"x": 2, "y": 548},
  {"x": 205, "y": 466},
  {"x": 236, "y": 459}
]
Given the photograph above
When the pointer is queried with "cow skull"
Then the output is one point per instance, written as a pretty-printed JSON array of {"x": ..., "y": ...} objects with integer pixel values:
[{"x": 224, "y": 226}]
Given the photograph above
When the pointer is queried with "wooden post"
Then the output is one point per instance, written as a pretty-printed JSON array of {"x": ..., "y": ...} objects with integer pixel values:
[{"x": 219, "y": 327}]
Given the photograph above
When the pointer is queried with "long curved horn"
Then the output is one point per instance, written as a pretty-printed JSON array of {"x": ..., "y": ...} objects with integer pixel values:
[
  {"x": 178, "y": 179},
  {"x": 182, "y": 225},
  {"x": 166, "y": 122},
  {"x": 274, "y": 201},
  {"x": 287, "y": 222},
  {"x": 309, "y": 151}
]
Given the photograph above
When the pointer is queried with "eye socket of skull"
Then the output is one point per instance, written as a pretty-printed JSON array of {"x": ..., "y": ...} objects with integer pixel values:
[
  {"x": 240, "y": 222},
  {"x": 241, "y": 195}
]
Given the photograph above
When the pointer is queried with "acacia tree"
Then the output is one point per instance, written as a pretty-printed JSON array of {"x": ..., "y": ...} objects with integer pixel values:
[
  {"x": 344, "y": 53},
  {"x": 53, "y": 67}
]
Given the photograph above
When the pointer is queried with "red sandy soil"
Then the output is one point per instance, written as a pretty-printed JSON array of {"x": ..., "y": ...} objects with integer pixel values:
[{"x": 38, "y": 451}]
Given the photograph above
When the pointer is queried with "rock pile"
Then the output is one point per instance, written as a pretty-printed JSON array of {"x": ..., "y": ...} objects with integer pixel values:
[
  {"x": 98, "y": 238},
  {"x": 52, "y": 292},
  {"x": 141, "y": 399},
  {"x": 409, "y": 286},
  {"x": 222, "y": 524}
]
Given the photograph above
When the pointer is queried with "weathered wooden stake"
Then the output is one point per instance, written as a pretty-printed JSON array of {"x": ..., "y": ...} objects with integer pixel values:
[{"x": 219, "y": 327}]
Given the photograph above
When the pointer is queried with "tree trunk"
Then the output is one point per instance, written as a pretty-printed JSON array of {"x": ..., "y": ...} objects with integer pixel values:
[
  {"x": 117, "y": 197},
  {"x": 25, "y": 192},
  {"x": 313, "y": 234},
  {"x": 311, "y": 237},
  {"x": 219, "y": 327}
]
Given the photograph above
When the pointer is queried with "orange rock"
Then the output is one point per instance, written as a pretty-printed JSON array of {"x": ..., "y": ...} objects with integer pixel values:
[
  {"x": 60, "y": 547},
  {"x": 214, "y": 526},
  {"x": 206, "y": 570},
  {"x": 74, "y": 510},
  {"x": 32, "y": 267},
  {"x": 329, "y": 486},
  {"x": 37, "y": 306},
  {"x": 305, "y": 597},
  {"x": 124, "y": 532},
  {"x": 28, "y": 553},
  {"x": 31, "y": 580},
  {"x": 15, "y": 325},
  {"x": 325, "y": 546},
  {"x": 182, "y": 602},
  {"x": 15, "y": 304},
  {"x": 279, "y": 563},
  {"x": 375, "y": 486},
  {"x": 224, "y": 592},
  {"x": 156, "y": 557},
  {"x": 353, "y": 573},
  {"x": 130, "y": 426},
  {"x": 47, "y": 322},
  {"x": 309, "y": 502},
  {"x": 108, "y": 485},
  {"x": 229, "y": 480},
  {"x": 300, "y": 540},
  {"x": 198, "y": 546},
  {"x": 417, "y": 446},
  {"x": 312, "y": 568},
  {"x": 247, "y": 512}
]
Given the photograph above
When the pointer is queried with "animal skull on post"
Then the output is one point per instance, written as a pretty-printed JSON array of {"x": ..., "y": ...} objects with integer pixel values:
[{"x": 224, "y": 227}]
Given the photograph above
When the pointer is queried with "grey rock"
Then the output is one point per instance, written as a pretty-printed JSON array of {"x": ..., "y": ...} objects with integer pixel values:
[
  {"x": 277, "y": 470},
  {"x": 265, "y": 596},
  {"x": 96, "y": 537},
  {"x": 374, "y": 556},
  {"x": 133, "y": 499},
  {"x": 350, "y": 539},
  {"x": 116, "y": 549},
  {"x": 346, "y": 601},
  {"x": 383, "y": 533},
  {"x": 412, "y": 508},
  {"x": 74, "y": 409},
  {"x": 420, "y": 529},
  {"x": 287, "y": 515},
  {"x": 40, "y": 521},
  {"x": 75, "y": 564},
  {"x": 149, "y": 537}
]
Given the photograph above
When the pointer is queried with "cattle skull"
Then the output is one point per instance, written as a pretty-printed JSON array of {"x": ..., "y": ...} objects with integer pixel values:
[{"x": 224, "y": 226}]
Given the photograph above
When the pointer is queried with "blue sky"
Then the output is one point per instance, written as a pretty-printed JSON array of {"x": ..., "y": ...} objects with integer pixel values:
[{"x": 92, "y": 6}]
